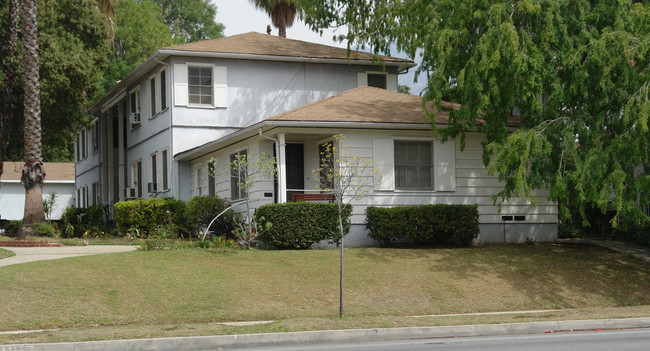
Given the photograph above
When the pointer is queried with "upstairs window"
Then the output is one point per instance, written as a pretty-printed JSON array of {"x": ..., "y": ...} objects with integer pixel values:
[
  {"x": 152, "y": 96},
  {"x": 377, "y": 80},
  {"x": 82, "y": 145},
  {"x": 200, "y": 85},
  {"x": 163, "y": 90},
  {"x": 95, "y": 136}
]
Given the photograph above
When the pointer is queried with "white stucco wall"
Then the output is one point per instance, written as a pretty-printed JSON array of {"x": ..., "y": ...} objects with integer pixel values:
[{"x": 12, "y": 198}]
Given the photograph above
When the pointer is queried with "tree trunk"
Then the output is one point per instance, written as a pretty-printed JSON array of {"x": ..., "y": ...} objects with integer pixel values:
[
  {"x": 9, "y": 71},
  {"x": 33, "y": 171},
  {"x": 282, "y": 31}
]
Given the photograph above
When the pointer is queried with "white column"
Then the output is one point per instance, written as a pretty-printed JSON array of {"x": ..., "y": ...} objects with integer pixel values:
[{"x": 282, "y": 170}]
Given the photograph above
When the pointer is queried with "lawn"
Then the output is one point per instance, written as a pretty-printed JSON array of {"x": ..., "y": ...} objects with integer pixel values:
[
  {"x": 4, "y": 253},
  {"x": 167, "y": 290}
]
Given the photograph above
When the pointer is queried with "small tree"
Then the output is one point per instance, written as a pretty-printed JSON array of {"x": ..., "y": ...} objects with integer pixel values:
[
  {"x": 49, "y": 203},
  {"x": 250, "y": 170},
  {"x": 347, "y": 177}
]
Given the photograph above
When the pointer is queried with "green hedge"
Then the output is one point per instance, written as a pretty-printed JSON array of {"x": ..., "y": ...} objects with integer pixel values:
[
  {"x": 298, "y": 225},
  {"x": 201, "y": 210},
  {"x": 148, "y": 215},
  {"x": 425, "y": 224}
]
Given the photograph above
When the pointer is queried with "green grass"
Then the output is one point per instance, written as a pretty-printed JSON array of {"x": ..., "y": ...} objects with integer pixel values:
[
  {"x": 156, "y": 293},
  {"x": 5, "y": 253}
]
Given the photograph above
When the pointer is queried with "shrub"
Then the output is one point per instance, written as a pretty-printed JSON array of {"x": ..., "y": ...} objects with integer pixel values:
[
  {"x": 425, "y": 224},
  {"x": 161, "y": 216},
  {"x": 14, "y": 225},
  {"x": 44, "y": 229},
  {"x": 76, "y": 221},
  {"x": 201, "y": 210},
  {"x": 298, "y": 225},
  {"x": 639, "y": 234}
]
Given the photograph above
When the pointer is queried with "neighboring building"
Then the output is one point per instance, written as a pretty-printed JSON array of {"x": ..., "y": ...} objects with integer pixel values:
[
  {"x": 59, "y": 178},
  {"x": 387, "y": 127},
  {"x": 188, "y": 95}
]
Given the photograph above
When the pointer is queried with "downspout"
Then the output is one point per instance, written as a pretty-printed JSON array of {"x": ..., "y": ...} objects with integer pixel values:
[{"x": 277, "y": 163}]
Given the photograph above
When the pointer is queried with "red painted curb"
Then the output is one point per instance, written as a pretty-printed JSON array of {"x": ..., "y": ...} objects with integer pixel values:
[{"x": 28, "y": 244}]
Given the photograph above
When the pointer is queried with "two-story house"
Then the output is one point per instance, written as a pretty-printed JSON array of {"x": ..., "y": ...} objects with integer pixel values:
[{"x": 186, "y": 95}]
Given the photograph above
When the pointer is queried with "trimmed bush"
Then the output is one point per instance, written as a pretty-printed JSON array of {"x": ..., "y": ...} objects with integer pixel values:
[
  {"x": 200, "y": 211},
  {"x": 298, "y": 225},
  {"x": 147, "y": 216},
  {"x": 425, "y": 224}
]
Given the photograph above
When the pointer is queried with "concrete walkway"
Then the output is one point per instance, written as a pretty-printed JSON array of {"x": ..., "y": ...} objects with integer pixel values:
[{"x": 31, "y": 254}]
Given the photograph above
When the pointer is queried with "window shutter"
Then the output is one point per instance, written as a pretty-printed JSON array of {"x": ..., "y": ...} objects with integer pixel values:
[
  {"x": 384, "y": 156},
  {"x": 362, "y": 79},
  {"x": 180, "y": 85},
  {"x": 158, "y": 93},
  {"x": 220, "y": 81},
  {"x": 391, "y": 82},
  {"x": 444, "y": 157}
]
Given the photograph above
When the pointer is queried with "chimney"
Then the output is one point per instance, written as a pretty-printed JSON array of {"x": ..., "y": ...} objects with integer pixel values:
[{"x": 268, "y": 29}]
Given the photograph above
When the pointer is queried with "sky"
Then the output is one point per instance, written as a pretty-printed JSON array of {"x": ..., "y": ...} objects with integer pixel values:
[{"x": 240, "y": 16}]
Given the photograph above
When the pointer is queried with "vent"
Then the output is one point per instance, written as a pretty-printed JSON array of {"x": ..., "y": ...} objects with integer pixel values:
[
  {"x": 129, "y": 193},
  {"x": 152, "y": 187}
]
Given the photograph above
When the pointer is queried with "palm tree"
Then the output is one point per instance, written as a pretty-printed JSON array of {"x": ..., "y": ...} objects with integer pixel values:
[
  {"x": 282, "y": 13},
  {"x": 9, "y": 72},
  {"x": 33, "y": 172}
]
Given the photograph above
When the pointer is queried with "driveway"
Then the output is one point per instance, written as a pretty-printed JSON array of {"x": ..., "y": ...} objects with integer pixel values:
[{"x": 31, "y": 254}]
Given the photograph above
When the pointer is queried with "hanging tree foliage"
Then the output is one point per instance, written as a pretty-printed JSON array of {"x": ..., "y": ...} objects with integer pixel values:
[{"x": 576, "y": 72}]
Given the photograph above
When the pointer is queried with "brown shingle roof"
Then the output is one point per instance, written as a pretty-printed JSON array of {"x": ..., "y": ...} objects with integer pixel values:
[
  {"x": 263, "y": 44},
  {"x": 53, "y": 171},
  {"x": 366, "y": 105}
]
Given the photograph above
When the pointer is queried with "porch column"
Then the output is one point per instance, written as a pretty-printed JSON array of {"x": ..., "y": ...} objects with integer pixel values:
[
  {"x": 121, "y": 115},
  {"x": 282, "y": 170}
]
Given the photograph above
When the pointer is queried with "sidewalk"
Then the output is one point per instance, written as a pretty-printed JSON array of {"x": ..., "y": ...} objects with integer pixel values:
[
  {"x": 326, "y": 336},
  {"x": 31, "y": 254}
]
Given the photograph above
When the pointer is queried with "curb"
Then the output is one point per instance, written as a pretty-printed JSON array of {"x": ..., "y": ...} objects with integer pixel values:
[{"x": 325, "y": 336}]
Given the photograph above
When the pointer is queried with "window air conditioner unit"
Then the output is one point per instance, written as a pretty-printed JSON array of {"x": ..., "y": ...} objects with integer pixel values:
[
  {"x": 129, "y": 193},
  {"x": 135, "y": 118},
  {"x": 153, "y": 187}
]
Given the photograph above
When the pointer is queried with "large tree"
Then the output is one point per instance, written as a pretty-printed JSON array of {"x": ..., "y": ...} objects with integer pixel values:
[
  {"x": 33, "y": 172},
  {"x": 282, "y": 13},
  {"x": 577, "y": 73},
  {"x": 191, "y": 20},
  {"x": 73, "y": 47}
]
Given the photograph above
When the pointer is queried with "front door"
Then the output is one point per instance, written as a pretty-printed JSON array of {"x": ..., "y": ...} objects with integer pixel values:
[{"x": 295, "y": 169}]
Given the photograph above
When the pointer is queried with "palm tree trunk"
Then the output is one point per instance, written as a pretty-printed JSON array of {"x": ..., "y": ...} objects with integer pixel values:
[
  {"x": 33, "y": 171},
  {"x": 10, "y": 72}
]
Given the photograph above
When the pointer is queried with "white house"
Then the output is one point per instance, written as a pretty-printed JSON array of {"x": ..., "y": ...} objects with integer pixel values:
[
  {"x": 59, "y": 178},
  {"x": 388, "y": 128},
  {"x": 187, "y": 95}
]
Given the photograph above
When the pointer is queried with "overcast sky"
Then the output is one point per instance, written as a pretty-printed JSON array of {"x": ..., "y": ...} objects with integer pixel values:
[{"x": 240, "y": 16}]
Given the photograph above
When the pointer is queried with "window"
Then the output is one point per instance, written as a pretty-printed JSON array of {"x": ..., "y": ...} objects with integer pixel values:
[
  {"x": 325, "y": 151},
  {"x": 413, "y": 164},
  {"x": 377, "y": 80},
  {"x": 153, "y": 173},
  {"x": 200, "y": 85},
  {"x": 152, "y": 96},
  {"x": 237, "y": 175},
  {"x": 134, "y": 108},
  {"x": 136, "y": 178},
  {"x": 199, "y": 181},
  {"x": 82, "y": 197},
  {"x": 82, "y": 145},
  {"x": 95, "y": 194},
  {"x": 165, "y": 171},
  {"x": 212, "y": 179},
  {"x": 163, "y": 90},
  {"x": 95, "y": 136}
]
